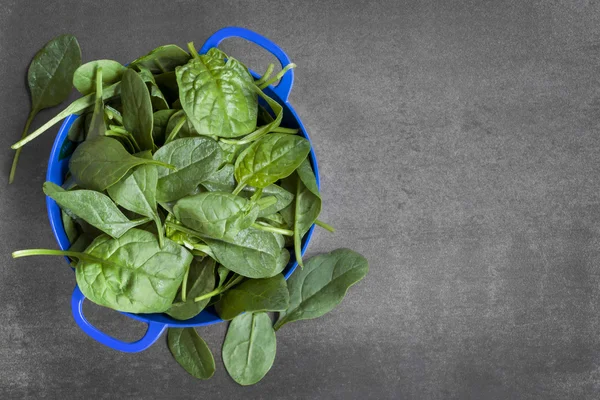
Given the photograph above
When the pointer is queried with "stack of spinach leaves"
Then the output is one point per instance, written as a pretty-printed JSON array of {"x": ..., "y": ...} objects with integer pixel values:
[{"x": 184, "y": 192}]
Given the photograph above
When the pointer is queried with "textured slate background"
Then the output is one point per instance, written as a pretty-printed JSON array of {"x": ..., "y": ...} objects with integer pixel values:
[{"x": 459, "y": 152}]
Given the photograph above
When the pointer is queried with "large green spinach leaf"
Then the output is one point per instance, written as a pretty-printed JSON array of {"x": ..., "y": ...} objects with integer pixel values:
[
  {"x": 249, "y": 348},
  {"x": 93, "y": 207},
  {"x": 270, "y": 294},
  {"x": 322, "y": 284},
  {"x": 191, "y": 352},
  {"x": 137, "y": 109},
  {"x": 85, "y": 76},
  {"x": 217, "y": 95},
  {"x": 195, "y": 159},
  {"x": 49, "y": 79}
]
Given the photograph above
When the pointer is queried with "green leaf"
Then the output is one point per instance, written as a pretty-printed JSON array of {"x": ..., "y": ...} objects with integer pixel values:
[
  {"x": 133, "y": 273},
  {"x": 252, "y": 253},
  {"x": 49, "y": 79},
  {"x": 217, "y": 95},
  {"x": 84, "y": 77},
  {"x": 322, "y": 284},
  {"x": 195, "y": 159},
  {"x": 137, "y": 109},
  {"x": 162, "y": 59},
  {"x": 221, "y": 180},
  {"x": 101, "y": 162},
  {"x": 222, "y": 272},
  {"x": 216, "y": 214},
  {"x": 270, "y": 294},
  {"x": 137, "y": 193},
  {"x": 159, "y": 102},
  {"x": 232, "y": 151},
  {"x": 97, "y": 125},
  {"x": 93, "y": 207},
  {"x": 191, "y": 352},
  {"x": 284, "y": 198},
  {"x": 159, "y": 128},
  {"x": 69, "y": 227},
  {"x": 249, "y": 348},
  {"x": 269, "y": 159},
  {"x": 201, "y": 280}
]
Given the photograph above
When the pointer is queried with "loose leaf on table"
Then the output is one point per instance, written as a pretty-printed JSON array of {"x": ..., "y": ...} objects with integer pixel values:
[
  {"x": 201, "y": 280},
  {"x": 221, "y": 180},
  {"x": 191, "y": 352},
  {"x": 137, "y": 193},
  {"x": 101, "y": 162},
  {"x": 322, "y": 284},
  {"x": 252, "y": 253},
  {"x": 49, "y": 79},
  {"x": 130, "y": 274},
  {"x": 270, "y": 294},
  {"x": 137, "y": 109},
  {"x": 162, "y": 59},
  {"x": 249, "y": 348},
  {"x": 216, "y": 214},
  {"x": 84, "y": 78},
  {"x": 195, "y": 159},
  {"x": 218, "y": 95},
  {"x": 159, "y": 127},
  {"x": 273, "y": 157},
  {"x": 305, "y": 209},
  {"x": 93, "y": 207},
  {"x": 77, "y": 107},
  {"x": 284, "y": 198}
]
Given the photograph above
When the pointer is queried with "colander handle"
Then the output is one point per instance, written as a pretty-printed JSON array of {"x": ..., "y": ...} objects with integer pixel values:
[
  {"x": 284, "y": 87},
  {"x": 155, "y": 329}
]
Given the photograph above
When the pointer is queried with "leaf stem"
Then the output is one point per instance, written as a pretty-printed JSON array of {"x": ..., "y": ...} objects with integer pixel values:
[
  {"x": 239, "y": 188},
  {"x": 221, "y": 289},
  {"x": 280, "y": 129},
  {"x": 325, "y": 226},
  {"x": 278, "y": 76},
  {"x": 50, "y": 252},
  {"x": 13, "y": 169},
  {"x": 193, "y": 51},
  {"x": 162, "y": 164},
  {"x": 266, "y": 75},
  {"x": 184, "y": 285},
  {"x": 263, "y": 226},
  {"x": 175, "y": 130}
]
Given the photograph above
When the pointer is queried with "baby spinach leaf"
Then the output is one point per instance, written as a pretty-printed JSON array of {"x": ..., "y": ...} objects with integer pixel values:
[
  {"x": 49, "y": 79},
  {"x": 249, "y": 348},
  {"x": 97, "y": 125},
  {"x": 69, "y": 226},
  {"x": 270, "y": 294},
  {"x": 93, "y": 207},
  {"x": 84, "y": 77},
  {"x": 221, "y": 180},
  {"x": 232, "y": 151},
  {"x": 133, "y": 273},
  {"x": 195, "y": 159},
  {"x": 101, "y": 162},
  {"x": 307, "y": 203},
  {"x": 252, "y": 253},
  {"x": 137, "y": 193},
  {"x": 216, "y": 214},
  {"x": 201, "y": 280},
  {"x": 191, "y": 352},
  {"x": 222, "y": 272},
  {"x": 159, "y": 102},
  {"x": 161, "y": 119},
  {"x": 284, "y": 198},
  {"x": 162, "y": 59},
  {"x": 269, "y": 159},
  {"x": 137, "y": 109},
  {"x": 167, "y": 82},
  {"x": 322, "y": 284},
  {"x": 217, "y": 95}
]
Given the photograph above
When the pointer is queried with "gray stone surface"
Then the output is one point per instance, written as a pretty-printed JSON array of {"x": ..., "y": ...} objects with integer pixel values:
[{"x": 459, "y": 152}]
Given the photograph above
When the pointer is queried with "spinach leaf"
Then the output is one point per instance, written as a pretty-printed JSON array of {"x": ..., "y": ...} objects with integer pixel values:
[
  {"x": 322, "y": 284},
  {"x": 201, "y": 280},
  {"x": 216, "y": 214},
  {"x": 161, "y": 119},
  {"x": 137, "y": 193},
  {"x": 97, "y": 125},
  {"x": 249, "y": 348},
  {"x": 191, "y": 352},
  {"x": 283, "y": 197},
  {"x": 195, "y": 159},
  {"x": 221, "y": 180},
  {"x": 273, "y": 157},
  {"x": 307, "y": 204},
  {"x": 84, "y": 77},
  {"x": 232, "y": 151},
  {"x": 252, "y": 253},
  {"x": 167, "y": 83},
  {"x": 49, "y": 79},
  {"x": 69, "y": 227},
  {"x": 217, "y": 95},
  {"x": 159, "y": 102},
  {"x": 76, "y": 133},
  {"x": 137, "y": 109},
  {"x": 162, "y": 59},
  {"x": 93, "y": 207},
  {"x": 270, "y": 294},
  {"x": 101, "y": 162}
]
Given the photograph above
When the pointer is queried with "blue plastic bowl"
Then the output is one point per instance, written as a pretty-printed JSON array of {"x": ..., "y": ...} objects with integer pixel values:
[{"x": 59, "y": 164}]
